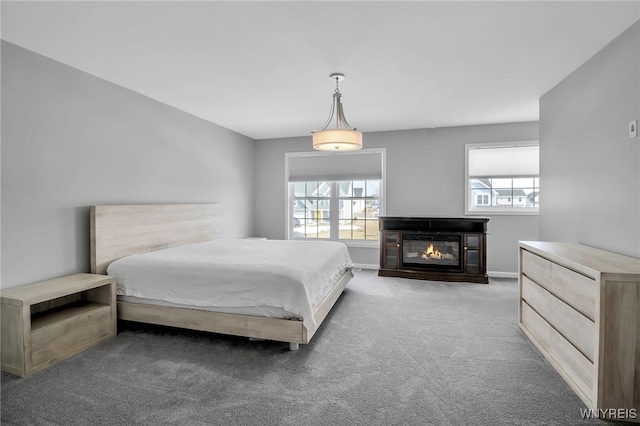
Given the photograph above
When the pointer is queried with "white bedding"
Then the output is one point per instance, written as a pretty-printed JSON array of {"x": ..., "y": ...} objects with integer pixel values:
[{"x": 291, "y": 275}]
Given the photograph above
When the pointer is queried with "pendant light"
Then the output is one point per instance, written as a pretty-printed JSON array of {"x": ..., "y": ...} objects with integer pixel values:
[{"x": 343, "y": 137}]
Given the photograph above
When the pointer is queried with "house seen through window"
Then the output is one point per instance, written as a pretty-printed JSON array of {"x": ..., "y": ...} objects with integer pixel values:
[
  {"x": 335, "y": 196},
  {"x": 503, "y": 178},
  {"x": 354, "y": 206}
]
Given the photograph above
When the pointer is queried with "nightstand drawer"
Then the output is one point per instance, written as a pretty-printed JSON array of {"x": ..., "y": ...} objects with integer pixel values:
[
  {"x": 56, "y": 334},
  {"x": 537, "y": 269}
]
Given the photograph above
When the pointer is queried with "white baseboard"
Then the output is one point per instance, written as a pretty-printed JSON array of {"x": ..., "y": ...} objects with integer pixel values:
[
  {"x": 498, "y": 274},
  {"x": 367, "y": 266}
]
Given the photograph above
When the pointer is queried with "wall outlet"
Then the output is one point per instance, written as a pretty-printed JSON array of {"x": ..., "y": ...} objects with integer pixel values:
[{"x": 633, "y": 128}]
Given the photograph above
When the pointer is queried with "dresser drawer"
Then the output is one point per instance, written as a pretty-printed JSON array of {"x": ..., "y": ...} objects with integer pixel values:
[
  {"x": 574, "y": 326},
  {"x": 536, "y": 325},
  {"x": 580, "y": 370},
  {"x": 537, "y": 297},
  {"x": 576, "y": 289},
  {"x": 536, "y": 268},
  {"x": 574, "y": 365}
]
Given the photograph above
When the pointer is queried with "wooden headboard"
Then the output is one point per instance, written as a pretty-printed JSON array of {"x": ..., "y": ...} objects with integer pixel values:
[{"x": 121, "y": 230}]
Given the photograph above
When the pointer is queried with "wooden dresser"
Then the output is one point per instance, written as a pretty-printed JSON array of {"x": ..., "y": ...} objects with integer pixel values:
[{"x": 580, "y": 306}]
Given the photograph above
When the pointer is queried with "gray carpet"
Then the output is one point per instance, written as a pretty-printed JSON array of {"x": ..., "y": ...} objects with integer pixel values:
[{"x": 393, "y": 351}]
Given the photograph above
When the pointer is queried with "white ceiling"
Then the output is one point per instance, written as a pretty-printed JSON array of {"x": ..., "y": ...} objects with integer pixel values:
[{"x": 262, "y": 68}]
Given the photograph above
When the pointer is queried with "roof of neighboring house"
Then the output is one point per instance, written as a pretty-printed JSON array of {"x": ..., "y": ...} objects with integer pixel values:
[
  {"x": 511, "y": 193},
  {"x": 480, "y": 184}
]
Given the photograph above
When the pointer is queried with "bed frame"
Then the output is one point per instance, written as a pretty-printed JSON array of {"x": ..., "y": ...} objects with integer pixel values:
[{"x": 122, "y": 230}]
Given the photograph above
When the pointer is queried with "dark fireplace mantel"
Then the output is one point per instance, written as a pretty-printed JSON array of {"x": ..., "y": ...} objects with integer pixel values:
[{"x": 441, "y": 249}]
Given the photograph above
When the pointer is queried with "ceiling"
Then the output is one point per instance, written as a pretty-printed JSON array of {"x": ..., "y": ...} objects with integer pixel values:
[{"x": 262, "y": 68}]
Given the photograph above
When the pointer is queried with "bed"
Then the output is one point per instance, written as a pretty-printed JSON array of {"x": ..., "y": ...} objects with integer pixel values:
[{"x": 172, "y": 267}]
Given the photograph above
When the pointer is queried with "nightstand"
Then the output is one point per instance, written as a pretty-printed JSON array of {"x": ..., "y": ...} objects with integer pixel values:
[{"x": 49, "y": 321}]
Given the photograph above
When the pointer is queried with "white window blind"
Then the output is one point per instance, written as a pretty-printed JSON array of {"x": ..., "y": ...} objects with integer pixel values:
[
  {"x": 497, "y": 161},
  {"x": 360, "y": 165}
]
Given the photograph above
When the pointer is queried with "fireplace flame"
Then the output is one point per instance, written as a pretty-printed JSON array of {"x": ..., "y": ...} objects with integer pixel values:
[{"x": 431, "y": 252}]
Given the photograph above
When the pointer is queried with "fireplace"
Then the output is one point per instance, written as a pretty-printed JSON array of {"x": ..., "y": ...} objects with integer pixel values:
[
  {"x": 442, "y": 249},
  {"x": 432, "y": 251}
]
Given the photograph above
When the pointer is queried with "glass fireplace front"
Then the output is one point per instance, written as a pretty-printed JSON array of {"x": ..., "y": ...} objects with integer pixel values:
[{"x": 432, "y": 251}]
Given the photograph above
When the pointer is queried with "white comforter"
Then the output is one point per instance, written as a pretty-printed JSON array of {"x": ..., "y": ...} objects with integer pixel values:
[{"x": 292, "y": 275}]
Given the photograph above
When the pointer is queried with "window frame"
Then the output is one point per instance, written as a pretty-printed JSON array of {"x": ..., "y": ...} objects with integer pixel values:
[
  {"x": 507, "y": 211},
  {"x": 335, "y": 197}
]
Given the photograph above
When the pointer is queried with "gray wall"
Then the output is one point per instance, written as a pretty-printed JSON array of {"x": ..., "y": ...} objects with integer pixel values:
[
  {"x": 70, "y": 140},
  {"x": 425, "y": 177},
  {"x": 590, "y": 169}
]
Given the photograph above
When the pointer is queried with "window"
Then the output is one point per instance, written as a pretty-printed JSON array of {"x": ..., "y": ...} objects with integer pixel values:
[
  {"x": 354, "y": 203},
  {"x": 502, "y": 178},
  {"x": 482, "y": 199},
  {"x": 335, "y": 196}
]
